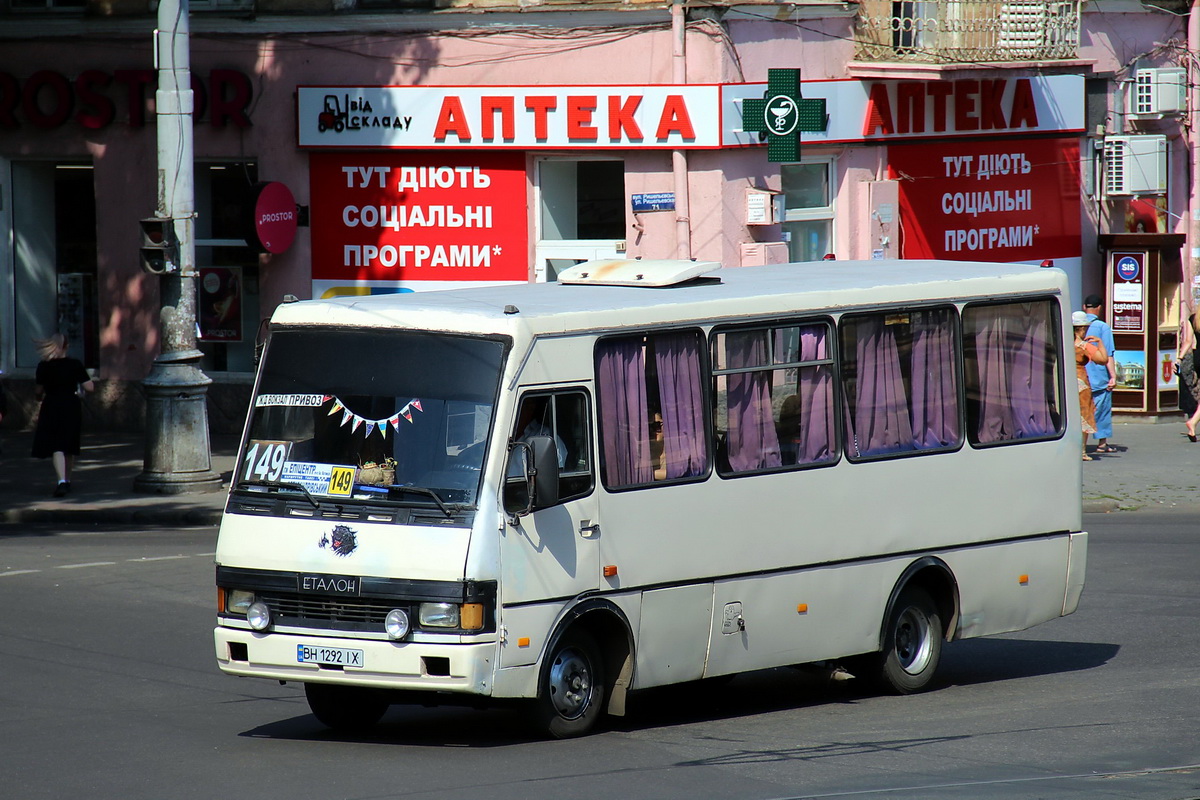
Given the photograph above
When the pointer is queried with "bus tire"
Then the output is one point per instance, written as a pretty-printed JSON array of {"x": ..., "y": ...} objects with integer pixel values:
[
  {"x": 912, "y": 642},
  {"x": 572, "y": 691},
  {"x": 345, "y": 709}
]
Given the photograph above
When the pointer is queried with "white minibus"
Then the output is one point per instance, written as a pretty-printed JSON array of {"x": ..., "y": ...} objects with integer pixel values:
[{"x": 647, "y": 473}]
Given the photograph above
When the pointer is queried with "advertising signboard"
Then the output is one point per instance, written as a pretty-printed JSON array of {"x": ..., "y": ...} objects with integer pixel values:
[
  {"x": 1128, "y": 275},
  {"x": 989, "y": 200},
  {"x": 390, "y": 221}
]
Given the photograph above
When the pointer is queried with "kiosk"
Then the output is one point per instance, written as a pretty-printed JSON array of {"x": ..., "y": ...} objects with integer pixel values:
[{"x": 1143, "y": 276}]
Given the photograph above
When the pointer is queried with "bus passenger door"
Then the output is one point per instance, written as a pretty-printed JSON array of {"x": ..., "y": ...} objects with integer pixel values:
[{"x": 552, "y": 553}]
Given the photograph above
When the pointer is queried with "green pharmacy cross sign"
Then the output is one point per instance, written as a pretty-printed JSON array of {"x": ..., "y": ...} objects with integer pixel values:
[{"x": 782, "y": 114}]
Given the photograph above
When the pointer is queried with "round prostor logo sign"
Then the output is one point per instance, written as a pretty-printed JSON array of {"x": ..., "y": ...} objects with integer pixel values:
[{"x": 275, "y": 217}]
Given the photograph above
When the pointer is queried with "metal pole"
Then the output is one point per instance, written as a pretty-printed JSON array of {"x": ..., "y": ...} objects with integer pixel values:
[
  {"x": 177, "y": 459},
  {"x": 1192, "y": 67},
  {"x": 679, "y": 159}
]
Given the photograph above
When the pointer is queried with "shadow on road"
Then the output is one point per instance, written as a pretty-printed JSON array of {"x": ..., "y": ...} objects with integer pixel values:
[
  {"x": 977, "y": 661},
  {"x": 973, "y": 662}
]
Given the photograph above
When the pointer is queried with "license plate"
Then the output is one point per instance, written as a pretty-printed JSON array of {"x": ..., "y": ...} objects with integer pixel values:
[{"x": 329, "y": 656}]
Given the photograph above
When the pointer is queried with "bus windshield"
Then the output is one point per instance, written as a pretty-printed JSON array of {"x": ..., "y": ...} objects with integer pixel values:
[{"x": 369, "y": 415}]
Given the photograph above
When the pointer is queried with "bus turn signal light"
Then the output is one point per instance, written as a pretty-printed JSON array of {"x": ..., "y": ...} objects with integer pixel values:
[
  {"x": 470, "y": 616},
  {"x": 610, "y": 570},
  {"x": 1023, "y": 580}
]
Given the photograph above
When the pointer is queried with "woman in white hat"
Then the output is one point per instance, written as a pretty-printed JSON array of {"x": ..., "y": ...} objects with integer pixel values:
[{"x": 1087, "y": 349}]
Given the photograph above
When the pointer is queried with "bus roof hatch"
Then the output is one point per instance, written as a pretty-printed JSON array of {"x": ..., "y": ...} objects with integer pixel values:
[{"x": 632, "y": 272}]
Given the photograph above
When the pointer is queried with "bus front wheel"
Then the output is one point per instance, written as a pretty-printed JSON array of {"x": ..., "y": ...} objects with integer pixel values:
[
  {"x": 571, "y": 694},
  {"x": 345, "y": 708},
  {"x": 912, "y": 642}
]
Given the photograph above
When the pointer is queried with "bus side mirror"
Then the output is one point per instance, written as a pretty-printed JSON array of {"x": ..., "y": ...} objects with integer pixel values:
[
  {"x": 531, "y": 478},
  {"x": 545, "y": 471}
]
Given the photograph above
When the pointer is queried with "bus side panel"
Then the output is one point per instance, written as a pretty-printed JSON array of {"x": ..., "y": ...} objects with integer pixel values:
[
  {"x": 1011, "y": 586},
  {"x": 1076, "y": 569},
  {"x": 672, "y": 641},
  {"x": 520, "y": 663},
  {"x": 799, "y": 617}
]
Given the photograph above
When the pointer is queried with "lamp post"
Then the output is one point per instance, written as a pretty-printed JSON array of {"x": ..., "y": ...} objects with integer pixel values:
[{"x": 177, "y": 457}]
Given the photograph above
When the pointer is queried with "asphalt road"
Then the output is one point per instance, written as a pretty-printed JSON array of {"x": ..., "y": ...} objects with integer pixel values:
[{"x": 109, "y": 690}]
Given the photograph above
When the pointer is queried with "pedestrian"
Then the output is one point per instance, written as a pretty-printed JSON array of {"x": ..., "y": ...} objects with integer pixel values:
[
  {"x": 61, "y": 381},
  {"x": 1088, "y": 349},
  {"x": 1185, "y": 367},
  {"x": 1102, "y": 377}
]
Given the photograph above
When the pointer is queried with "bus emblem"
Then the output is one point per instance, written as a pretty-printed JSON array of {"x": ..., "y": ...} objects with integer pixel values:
[{"x": 341, "y": 540}]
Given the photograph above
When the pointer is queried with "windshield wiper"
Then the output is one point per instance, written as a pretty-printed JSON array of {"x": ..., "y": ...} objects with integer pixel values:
[
  {"x": 421, "y": 490},
  {"x": 284, "y": 485}
]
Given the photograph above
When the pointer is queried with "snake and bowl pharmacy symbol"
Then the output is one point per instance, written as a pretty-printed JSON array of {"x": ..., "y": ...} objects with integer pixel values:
[
  {"x": 342, "y": 540},
  {"x": 782, "y": 115}
]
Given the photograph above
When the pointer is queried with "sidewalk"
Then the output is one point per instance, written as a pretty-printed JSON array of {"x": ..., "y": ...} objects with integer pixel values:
[
  {"x": 102, "y": 485},
  {"x": 1155, "y": 466}
]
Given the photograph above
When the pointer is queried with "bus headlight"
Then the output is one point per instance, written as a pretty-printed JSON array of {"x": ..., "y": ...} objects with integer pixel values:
[
  {"x": 439, "y": 615},
  {"x": 396, "y": 624},
  {"x": 238, "y": 601},
  {"x": 258, "y": 615}
]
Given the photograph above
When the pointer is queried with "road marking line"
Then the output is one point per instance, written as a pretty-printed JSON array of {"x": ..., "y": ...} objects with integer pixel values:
[
  {"x": 18, "y": 572},
  {"x": 155, "y": 558},
  {"x": 89, "y": 564}
]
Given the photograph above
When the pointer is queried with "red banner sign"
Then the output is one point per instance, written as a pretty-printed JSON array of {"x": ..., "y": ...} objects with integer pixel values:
[
  {"x": 419, "y": 216},
  {"x": 989, "y": 200}
]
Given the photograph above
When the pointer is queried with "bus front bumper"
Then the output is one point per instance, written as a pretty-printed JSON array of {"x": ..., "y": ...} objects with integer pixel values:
[{"x": 402, "y": 666}]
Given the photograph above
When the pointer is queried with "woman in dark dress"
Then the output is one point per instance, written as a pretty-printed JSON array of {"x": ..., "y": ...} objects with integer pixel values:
[{"x": 59, "y": 379}]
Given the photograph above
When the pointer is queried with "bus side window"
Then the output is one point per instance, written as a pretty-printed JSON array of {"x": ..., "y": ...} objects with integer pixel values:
[
  {"x": 900, "y": 382},
  {"x": 647, "y": 385},
  {"x": 1012, "y": 374},
  {"x": 773, "y": 389},
  {"x": 563, "y": 416}
]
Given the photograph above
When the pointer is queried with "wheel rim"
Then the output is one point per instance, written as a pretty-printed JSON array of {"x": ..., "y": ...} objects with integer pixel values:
[
  {"x": 570, "y": 683},
  {"x": 914, "y": 646}
]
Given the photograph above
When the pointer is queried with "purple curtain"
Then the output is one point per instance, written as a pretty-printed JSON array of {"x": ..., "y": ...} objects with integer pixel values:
[
  {"x": 935, "y": 395},
  {"x": 753, "y": 442},
  {"x": 1033, "y": 392},
  {"x": 680, "y": 390},
  {"x": 995, "y": 420},
  {"x": 621, "y": 372},
  {"x": 816, "y": 398},
  {"x": 879, "y": 422},
  {"x": 1016, "y": 392}
]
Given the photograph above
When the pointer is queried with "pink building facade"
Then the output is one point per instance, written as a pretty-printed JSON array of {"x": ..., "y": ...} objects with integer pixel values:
[{"x": 457, "y": 148}]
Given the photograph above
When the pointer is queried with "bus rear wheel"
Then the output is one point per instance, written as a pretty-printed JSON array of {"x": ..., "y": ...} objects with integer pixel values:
[
  {"x": 572, "y": 690},
  {"x": 912, "y": 642},
  {"x": 346, "y": 709}
]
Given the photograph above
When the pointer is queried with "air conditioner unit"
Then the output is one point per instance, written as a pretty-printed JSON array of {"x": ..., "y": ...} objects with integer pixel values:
[
  {"x": 757, "y": 254},
  {"x": 1156, "y": 92},
  {"x": 1135, "y": 165}
]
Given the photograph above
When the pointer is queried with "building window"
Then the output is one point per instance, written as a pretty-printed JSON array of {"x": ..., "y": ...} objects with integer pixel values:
[
  {"x": 227, "y": 307},
  {"x": 808, "y": 219}
]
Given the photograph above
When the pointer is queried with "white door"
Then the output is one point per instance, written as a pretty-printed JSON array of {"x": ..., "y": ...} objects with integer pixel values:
[
  {"x": 581, "y": 213},
  {"x": 552, "y": 554},
  {"x": 554, "y": 257}
]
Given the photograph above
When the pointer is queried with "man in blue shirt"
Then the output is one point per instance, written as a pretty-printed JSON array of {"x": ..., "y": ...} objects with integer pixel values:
[{"x": 1103, "y": 377}]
